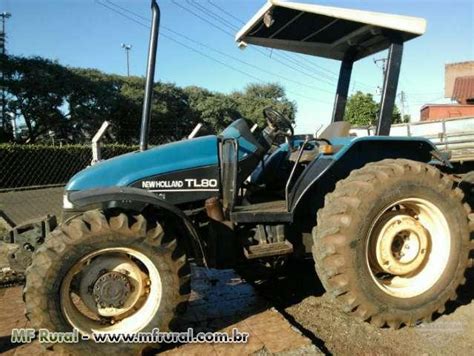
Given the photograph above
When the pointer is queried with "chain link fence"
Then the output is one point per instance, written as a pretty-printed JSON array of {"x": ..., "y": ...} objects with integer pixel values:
[{"x": 32, "y": 178}]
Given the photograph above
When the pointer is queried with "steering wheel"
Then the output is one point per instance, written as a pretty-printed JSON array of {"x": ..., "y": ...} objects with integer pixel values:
[{"x": 278, "y": 122}]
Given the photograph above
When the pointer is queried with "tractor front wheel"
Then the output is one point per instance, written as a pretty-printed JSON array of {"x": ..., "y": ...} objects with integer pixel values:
[
  {"x": 104, "y": 274},
  {"x": 392, "y": 242}
]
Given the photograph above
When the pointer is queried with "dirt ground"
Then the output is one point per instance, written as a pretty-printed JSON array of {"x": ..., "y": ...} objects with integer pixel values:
[
  {"x": 309, "y": 313},
  {"x": 220, "y": 301},
  {"x": 299, "y": 296}
]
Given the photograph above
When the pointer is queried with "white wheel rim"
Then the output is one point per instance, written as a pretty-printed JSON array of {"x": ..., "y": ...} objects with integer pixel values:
[
  {"x": 139, "y": 305},
  {"x": 408, "y": 247}
]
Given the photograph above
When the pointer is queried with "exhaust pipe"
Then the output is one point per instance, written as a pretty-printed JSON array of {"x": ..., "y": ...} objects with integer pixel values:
[{"x": 150, "y": 74}]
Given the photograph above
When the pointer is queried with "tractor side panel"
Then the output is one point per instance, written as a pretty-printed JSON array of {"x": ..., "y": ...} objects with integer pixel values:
[
  {"x": 183, "y": 186},
  {"x": 321, "y": 176}
]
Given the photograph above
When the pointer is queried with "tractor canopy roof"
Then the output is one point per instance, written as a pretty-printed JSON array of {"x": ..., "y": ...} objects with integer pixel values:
[{"x": 328, "y": 32}]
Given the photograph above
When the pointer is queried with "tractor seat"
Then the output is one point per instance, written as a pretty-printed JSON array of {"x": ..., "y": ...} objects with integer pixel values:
[{"x": 336, "y": 129}]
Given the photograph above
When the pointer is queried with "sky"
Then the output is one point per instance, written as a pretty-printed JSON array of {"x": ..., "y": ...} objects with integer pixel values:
[{"x": 196, "y": 47}]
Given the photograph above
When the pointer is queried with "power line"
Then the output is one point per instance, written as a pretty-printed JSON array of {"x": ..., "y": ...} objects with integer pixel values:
[
  {"x": 246, "y": 63},
  {"x": 320, "y": 70},
  {"x": 427, "y": 101},
  {"x": 196, "y": 50},
  {"x": 208, "y": 12},
  {"x": 424, "y": 93},
  {"x": 329, "y": 76},
  {"x": 287, "y": 65},
  {"x": 211, "y": 13},
  {"x": 200, "y": 17},
  {"x": 226, "y": 12},
  {"x": 225, "y": 54},
  {"x": 331, "y": 73},
  {"x": 335, "y": 74},
  {"x": 258, "y": 49},
  {"x": 176, "y": 41},
  {"x": 328, "y": 79}
]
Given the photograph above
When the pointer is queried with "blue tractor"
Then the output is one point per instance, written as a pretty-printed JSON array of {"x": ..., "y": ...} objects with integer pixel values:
[{"x": 388, "y": 229}]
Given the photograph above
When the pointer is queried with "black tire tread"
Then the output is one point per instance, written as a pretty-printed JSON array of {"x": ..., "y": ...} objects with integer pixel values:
[
  {"x": 332, "y": 238},
  {"x": 40, "y": 276}
]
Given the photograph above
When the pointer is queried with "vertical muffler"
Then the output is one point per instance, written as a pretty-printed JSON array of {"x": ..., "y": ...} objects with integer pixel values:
[{"x": 150, "y": 76}]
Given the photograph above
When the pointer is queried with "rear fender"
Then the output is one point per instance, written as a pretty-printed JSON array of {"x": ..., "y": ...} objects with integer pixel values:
[
  {"x": 321, "y": 176},
  {"x": 128, "y": 197}
]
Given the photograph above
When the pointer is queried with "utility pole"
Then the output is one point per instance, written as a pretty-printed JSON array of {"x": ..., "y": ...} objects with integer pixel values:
[
  {"x": 13, "y": 118},
  {"x": 384, "y": 69},
  {"x": 3, "y": 37},
  {"x": 127, "y": 49},
  {"x": 403, "y": 101},
  {"x": 3, "y": 16}
]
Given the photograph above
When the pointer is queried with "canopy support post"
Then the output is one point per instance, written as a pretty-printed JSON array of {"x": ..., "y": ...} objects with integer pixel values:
[
  {"x": 390, "y": 84},
  {"x": 342, "y": 91}
]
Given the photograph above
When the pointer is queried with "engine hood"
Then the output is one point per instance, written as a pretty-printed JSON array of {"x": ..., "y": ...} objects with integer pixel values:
[{"x": 126, "y": 169}]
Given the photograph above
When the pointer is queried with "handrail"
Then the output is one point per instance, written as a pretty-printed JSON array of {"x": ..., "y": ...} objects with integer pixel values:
[
  {"x": 195, "y": 131},
  {"x": 287, "y": 186},
  {"x": 457, "y": 142},
  {"x": 442, "y": 135},
  {"x": 96, "y": 154}
]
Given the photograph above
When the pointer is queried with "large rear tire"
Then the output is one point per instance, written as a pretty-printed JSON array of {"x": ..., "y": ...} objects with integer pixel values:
[
  {"x": 392, "y": 242},
  {"x": 467, "y": 186},
  {"x": 107, "y": 274}
]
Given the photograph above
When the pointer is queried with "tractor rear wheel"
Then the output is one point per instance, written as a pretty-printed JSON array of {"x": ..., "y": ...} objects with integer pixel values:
[
  {"x": 392, "y": 242},
  {"x": 106, "y": 274},
  {"x": 467, "y": 186}
]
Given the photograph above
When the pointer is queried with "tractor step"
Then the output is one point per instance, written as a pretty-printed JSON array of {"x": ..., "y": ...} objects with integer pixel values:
[
  {"x": 267, "y": 250},
  {"x": 267, "y": 212}
]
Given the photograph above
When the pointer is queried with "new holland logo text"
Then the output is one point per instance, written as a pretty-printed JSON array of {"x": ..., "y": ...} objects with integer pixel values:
[{"x": 187, "y": 184}]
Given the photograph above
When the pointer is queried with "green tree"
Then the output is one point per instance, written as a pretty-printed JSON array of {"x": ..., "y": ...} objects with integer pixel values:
[
  {"x": 36, "y": 89},
  {"x": 72, "y": 103},
  {"x": 50, "y": 98},
  {"x": 363, "y": 110},
  {"x": 91, "y": 98},
  {"x": 396, "y": 115},
  {"x": 406, "y": 118},
  {"x": 170, "y": 118},
  {"x": 256, "y": 97},
  {"x": 215, "y": 110}
]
